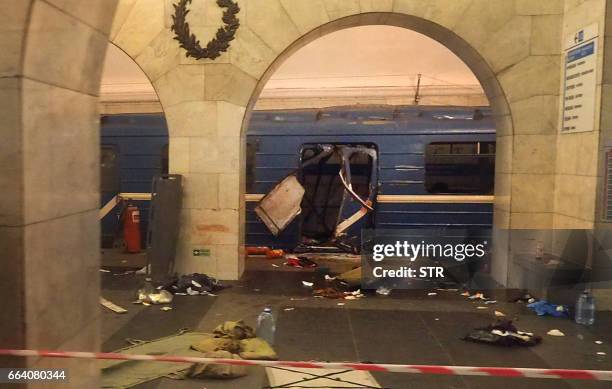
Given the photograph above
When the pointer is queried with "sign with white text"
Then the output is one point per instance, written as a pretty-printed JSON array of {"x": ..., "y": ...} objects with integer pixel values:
[{"x": 580, "y": 81}]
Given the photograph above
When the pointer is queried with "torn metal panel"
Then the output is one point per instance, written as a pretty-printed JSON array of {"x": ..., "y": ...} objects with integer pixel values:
[
  {"x": 354, "y": 207},
  {"x": 281, "y": 205},
  {"x": 340, "y": 224}
]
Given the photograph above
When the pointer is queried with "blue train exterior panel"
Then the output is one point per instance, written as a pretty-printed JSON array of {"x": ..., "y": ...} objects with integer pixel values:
[
  {"x": 140, "y": 143},
  {"x": 400, "y": 134}
]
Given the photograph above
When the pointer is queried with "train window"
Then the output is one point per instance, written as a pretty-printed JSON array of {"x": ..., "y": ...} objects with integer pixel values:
[
  {"x": 164, "y": 160},
  {"x": 460, "y": 167},
  {"x": 109, "y": 169}
]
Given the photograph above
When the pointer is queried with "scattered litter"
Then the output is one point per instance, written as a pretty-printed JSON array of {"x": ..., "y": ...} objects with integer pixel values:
[
  {"x": 437, "y": 318},
  {"x": 258, "y": 250},
  {"x": 298, "y": 299},
  {"x": 447, "y": 289},
  {"x": 340, "y": 304},
  {"x": 598, "y": 342},
  {"x": 478, "y": 296},
  {"x": 275, "y": 265},
  {"x": 256, "y": 290},
  {"x": 499, "y": 314},
  {"x": 543, "y": 308},
  {"x": 482, "y": 307},
  {"x": 329, "y": 278},
  {"x": 288, "y": 309},
  {"x": 467, "y": 294},
  {"x": 490, "y": 302},
  {"x": 503, "y": 333},
  {"x": 432, "y": 294},
  {"x": 555, "y": 332},
  {"x": 601, "y": 353},
  {"x": 163, "y": 297},
  {"x": 112, "y": 306},
  {"x": 308, "y": 284},
  {"x": 274, "y": 253},
  {"x": 144, "y": 270},
  {"x": 381, "y": 290},
  {"x": 165, "y": 309},
  {"x": 145, "y": 304},
  {"x": 299, "y": 262},
  {"x": 105, "y": 271},
  {"x": 526, "y": 298},
  {"x": 194, "y": 284}
]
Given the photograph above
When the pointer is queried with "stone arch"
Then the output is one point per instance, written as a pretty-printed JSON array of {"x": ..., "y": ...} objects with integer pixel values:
[
  {"x": 205, "y": 101},
  {"x": 467, "y": 53}
]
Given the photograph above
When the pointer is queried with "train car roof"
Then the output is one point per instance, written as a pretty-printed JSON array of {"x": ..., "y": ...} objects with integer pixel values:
[{"x": 378, "y": 119}]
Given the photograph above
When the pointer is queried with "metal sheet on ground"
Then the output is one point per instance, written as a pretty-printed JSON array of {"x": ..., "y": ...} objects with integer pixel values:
[{"x": 319, "y": 378}]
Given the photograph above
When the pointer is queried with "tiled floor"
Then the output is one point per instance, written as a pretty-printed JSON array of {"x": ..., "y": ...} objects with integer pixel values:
[{"x": 405, "y": 327}]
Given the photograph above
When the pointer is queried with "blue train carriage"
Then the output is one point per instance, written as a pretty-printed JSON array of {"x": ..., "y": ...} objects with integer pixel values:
[
  {"x": 134, "y": 148},
  {"x": 426, "y": 167}
]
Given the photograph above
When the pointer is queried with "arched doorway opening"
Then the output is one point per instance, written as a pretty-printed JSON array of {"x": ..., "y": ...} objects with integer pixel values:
[
  {"x": 133, "y": 151},
  {"x": 466, "y": 55}
]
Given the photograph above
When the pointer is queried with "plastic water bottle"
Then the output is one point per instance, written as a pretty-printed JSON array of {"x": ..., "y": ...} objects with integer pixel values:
[
  {"x": 585, "y": 309},
  {"x": 266, "y": 327}
]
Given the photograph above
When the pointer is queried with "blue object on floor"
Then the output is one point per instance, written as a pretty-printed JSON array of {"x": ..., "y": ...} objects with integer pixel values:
[{"x": 543, "y": 308}]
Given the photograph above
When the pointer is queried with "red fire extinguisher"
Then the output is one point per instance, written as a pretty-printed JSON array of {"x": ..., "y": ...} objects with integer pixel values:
[{"x": 131, "y": 228}]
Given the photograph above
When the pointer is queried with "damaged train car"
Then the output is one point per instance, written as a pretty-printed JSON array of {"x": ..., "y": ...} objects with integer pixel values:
[{"x": 317, "y": 177}]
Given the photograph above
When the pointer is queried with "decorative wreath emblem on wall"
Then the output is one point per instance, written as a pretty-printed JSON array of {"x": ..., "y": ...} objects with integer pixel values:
[{"x": 219, "y": 44}]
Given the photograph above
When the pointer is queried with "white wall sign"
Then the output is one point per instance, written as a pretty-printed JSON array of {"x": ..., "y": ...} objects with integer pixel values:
[{"x": 580, "y": 80}]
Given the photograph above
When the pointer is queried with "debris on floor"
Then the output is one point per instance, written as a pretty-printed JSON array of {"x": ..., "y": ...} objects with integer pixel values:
[
  {"x": 194, "y": 284},
  {"x": 503, "y": 333},
  {"x": 278, "y": 253},
  {"x": 543, "y": 308},
  {"x": 165, "y": 309},
  {"x": 112, "y": 306},
  {"x": 125, "y": 374},
  {"x": 482, "y": 307},
  {"x": 601, "y": 353},
  {"x": 257, "y": 250},
  {"x": 330, "y": 293},
  {"x": 288, "y": 309},
  {"x": 499, "y": 314},
  {"x": 598, "y": 342},
  {"x": 308, "y": 284},
  {"x": 299, "y": 262},
  {"x": 525, "y": 298},
  {"x": 238, "y": 338},
  {"x": 333, "y": 293},
  {"x": 383, "y": 291},
  {"x": 432, "y": 294},
  {"x": 478, "y": 296},
  {"x": 203, "y": 370},
  {"x": 490, "y": 302},
  {"x": 555, "y": 332},
  {"x": 161, "y": 297}
]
